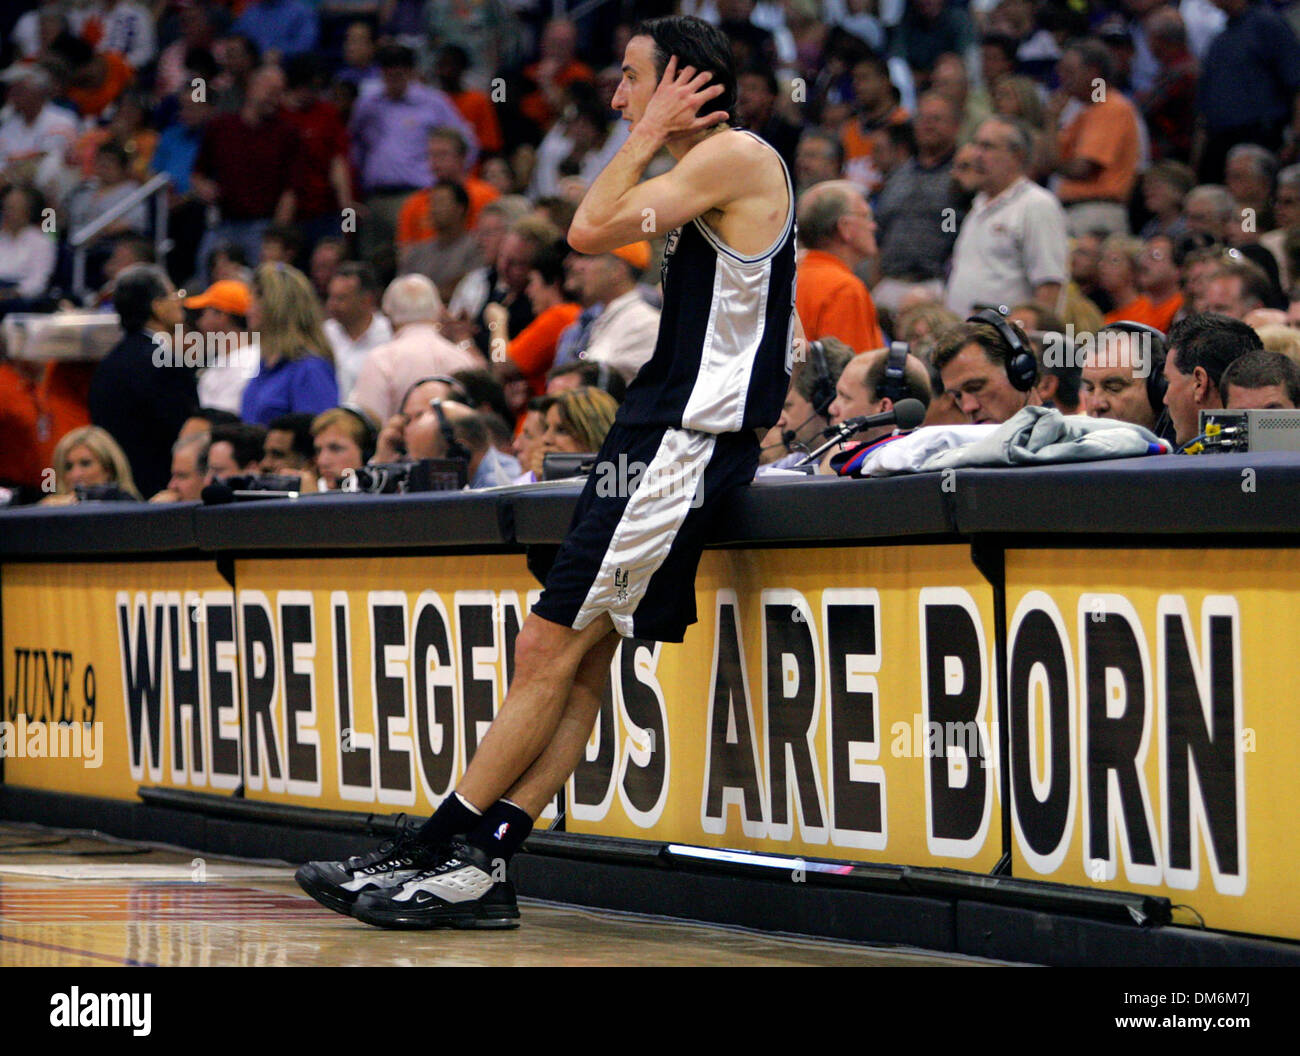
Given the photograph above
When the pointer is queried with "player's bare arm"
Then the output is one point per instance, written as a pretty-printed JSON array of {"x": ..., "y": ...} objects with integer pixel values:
[{"x": 733, "y": 182}]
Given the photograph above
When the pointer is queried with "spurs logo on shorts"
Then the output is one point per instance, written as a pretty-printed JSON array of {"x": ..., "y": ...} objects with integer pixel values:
[
  {"x": 620, "y": 585},
  {"x": 670, "y": 247}
]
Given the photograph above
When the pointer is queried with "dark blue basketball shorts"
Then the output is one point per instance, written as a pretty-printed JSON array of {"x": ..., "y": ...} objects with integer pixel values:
[{"x": 634, "y": 545}]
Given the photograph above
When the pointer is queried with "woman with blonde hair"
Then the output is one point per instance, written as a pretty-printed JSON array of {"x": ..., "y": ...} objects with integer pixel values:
[
  {"x": 1284, "y": 339},
  {"x": 87, "y": 456},
  {"x": 296, "y": 375},
  {"x": 344, "y": 438},
  {"x": 577, "y": 422}
]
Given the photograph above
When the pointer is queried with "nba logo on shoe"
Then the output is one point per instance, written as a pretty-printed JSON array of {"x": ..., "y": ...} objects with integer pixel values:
[{"x": 502, "y": 829}]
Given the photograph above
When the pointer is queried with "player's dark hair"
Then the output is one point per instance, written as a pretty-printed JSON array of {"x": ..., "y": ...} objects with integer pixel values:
[
  {"x": 1212, "y": 342},
  {"x": 697, "y": 44}
]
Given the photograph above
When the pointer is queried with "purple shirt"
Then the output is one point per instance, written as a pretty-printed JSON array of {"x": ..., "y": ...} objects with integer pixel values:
[
  {"x": 298, "y": 386},
  {"x": 390, "y": 138}
]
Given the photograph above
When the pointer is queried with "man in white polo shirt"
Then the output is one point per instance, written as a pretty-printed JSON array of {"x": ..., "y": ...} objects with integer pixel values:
[
  {"x": 1012, "y": 246},
  {"x": 352, "y": 325}
]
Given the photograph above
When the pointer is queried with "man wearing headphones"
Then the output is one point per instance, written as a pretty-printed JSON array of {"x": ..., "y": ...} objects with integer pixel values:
[
  {"x": 872, "y": 383},
  {"x": 1123, "y": 377},
  {"x": 453, "y": 430},
  {"x": 987, "y": 366},
  {"x": 805, "y": 413}
]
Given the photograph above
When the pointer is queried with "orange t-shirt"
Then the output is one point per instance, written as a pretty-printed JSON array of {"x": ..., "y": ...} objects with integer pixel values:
[
  {"x": 832, "y": 301},
  {"x": 533, "y": 348},
  {"x": 34, "y": 416},
  {"x": 1105, "y": 133},
  {"x": 413, "y": 221},
  {"x": 1161, "y": 315},
  {"x": 477, "y": 109},
  {"x": 91, "y": 102}
]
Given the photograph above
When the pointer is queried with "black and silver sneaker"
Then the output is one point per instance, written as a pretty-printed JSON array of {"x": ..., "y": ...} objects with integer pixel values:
[
  {"x": 336, "y": 885},
  {"x": 464, "y": 890}
]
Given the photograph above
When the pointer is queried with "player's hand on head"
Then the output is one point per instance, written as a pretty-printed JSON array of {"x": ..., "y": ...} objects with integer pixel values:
[{"x": 674, "y": 107}]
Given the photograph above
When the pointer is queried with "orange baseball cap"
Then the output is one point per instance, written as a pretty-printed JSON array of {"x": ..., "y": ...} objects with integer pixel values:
[
  {"x": 225, "y": 296},
  {"x": 637, "y": 254}
]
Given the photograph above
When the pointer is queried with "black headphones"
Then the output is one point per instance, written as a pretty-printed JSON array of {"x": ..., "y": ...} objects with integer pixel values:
[
  {"x": 823, "y": 388},
  {"x": 454, "y": 448},
  {"x": 1022, "y": 365},
  {"x": 894, "y": 384},
  {"x": 459, "y": 394},
  {"x": 370, "y": 431},
  {"x": 1157, "y": 383}
]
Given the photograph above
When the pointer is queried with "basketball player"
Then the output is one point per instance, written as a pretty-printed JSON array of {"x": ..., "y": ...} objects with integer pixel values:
[{"x": 716, "y": 381}]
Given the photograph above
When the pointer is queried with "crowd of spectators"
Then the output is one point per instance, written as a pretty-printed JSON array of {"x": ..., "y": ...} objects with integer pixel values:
[{"x": 363, "y": 229}]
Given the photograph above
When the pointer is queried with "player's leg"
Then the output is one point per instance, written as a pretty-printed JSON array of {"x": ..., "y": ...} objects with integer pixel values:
[
  {"x": 469, "y": 887},
  {"x": 548, "y": 659},
  {"x": 548, "y": 656},
  {"x": 538, "y": 786}
]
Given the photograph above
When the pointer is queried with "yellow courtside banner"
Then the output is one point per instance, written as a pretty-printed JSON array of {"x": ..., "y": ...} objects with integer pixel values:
[
  {"x": 76, "y": 720},
  {"x": 831, "y": 702},
  {"x": 790, "y": 719},
  {"x": 1153, "y": 726}
]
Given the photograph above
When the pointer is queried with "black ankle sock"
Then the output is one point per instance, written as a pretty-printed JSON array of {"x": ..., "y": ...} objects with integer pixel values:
[
  {"x": 453, "y": 818},
  {"x": 501, "y": 831}
]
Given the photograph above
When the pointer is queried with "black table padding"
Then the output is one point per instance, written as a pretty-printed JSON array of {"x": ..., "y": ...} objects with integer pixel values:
[
  {"x": 97, "y": 528},
  {"x": 1211, "y": 495},
  {"x": 450, "y": 519}
]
